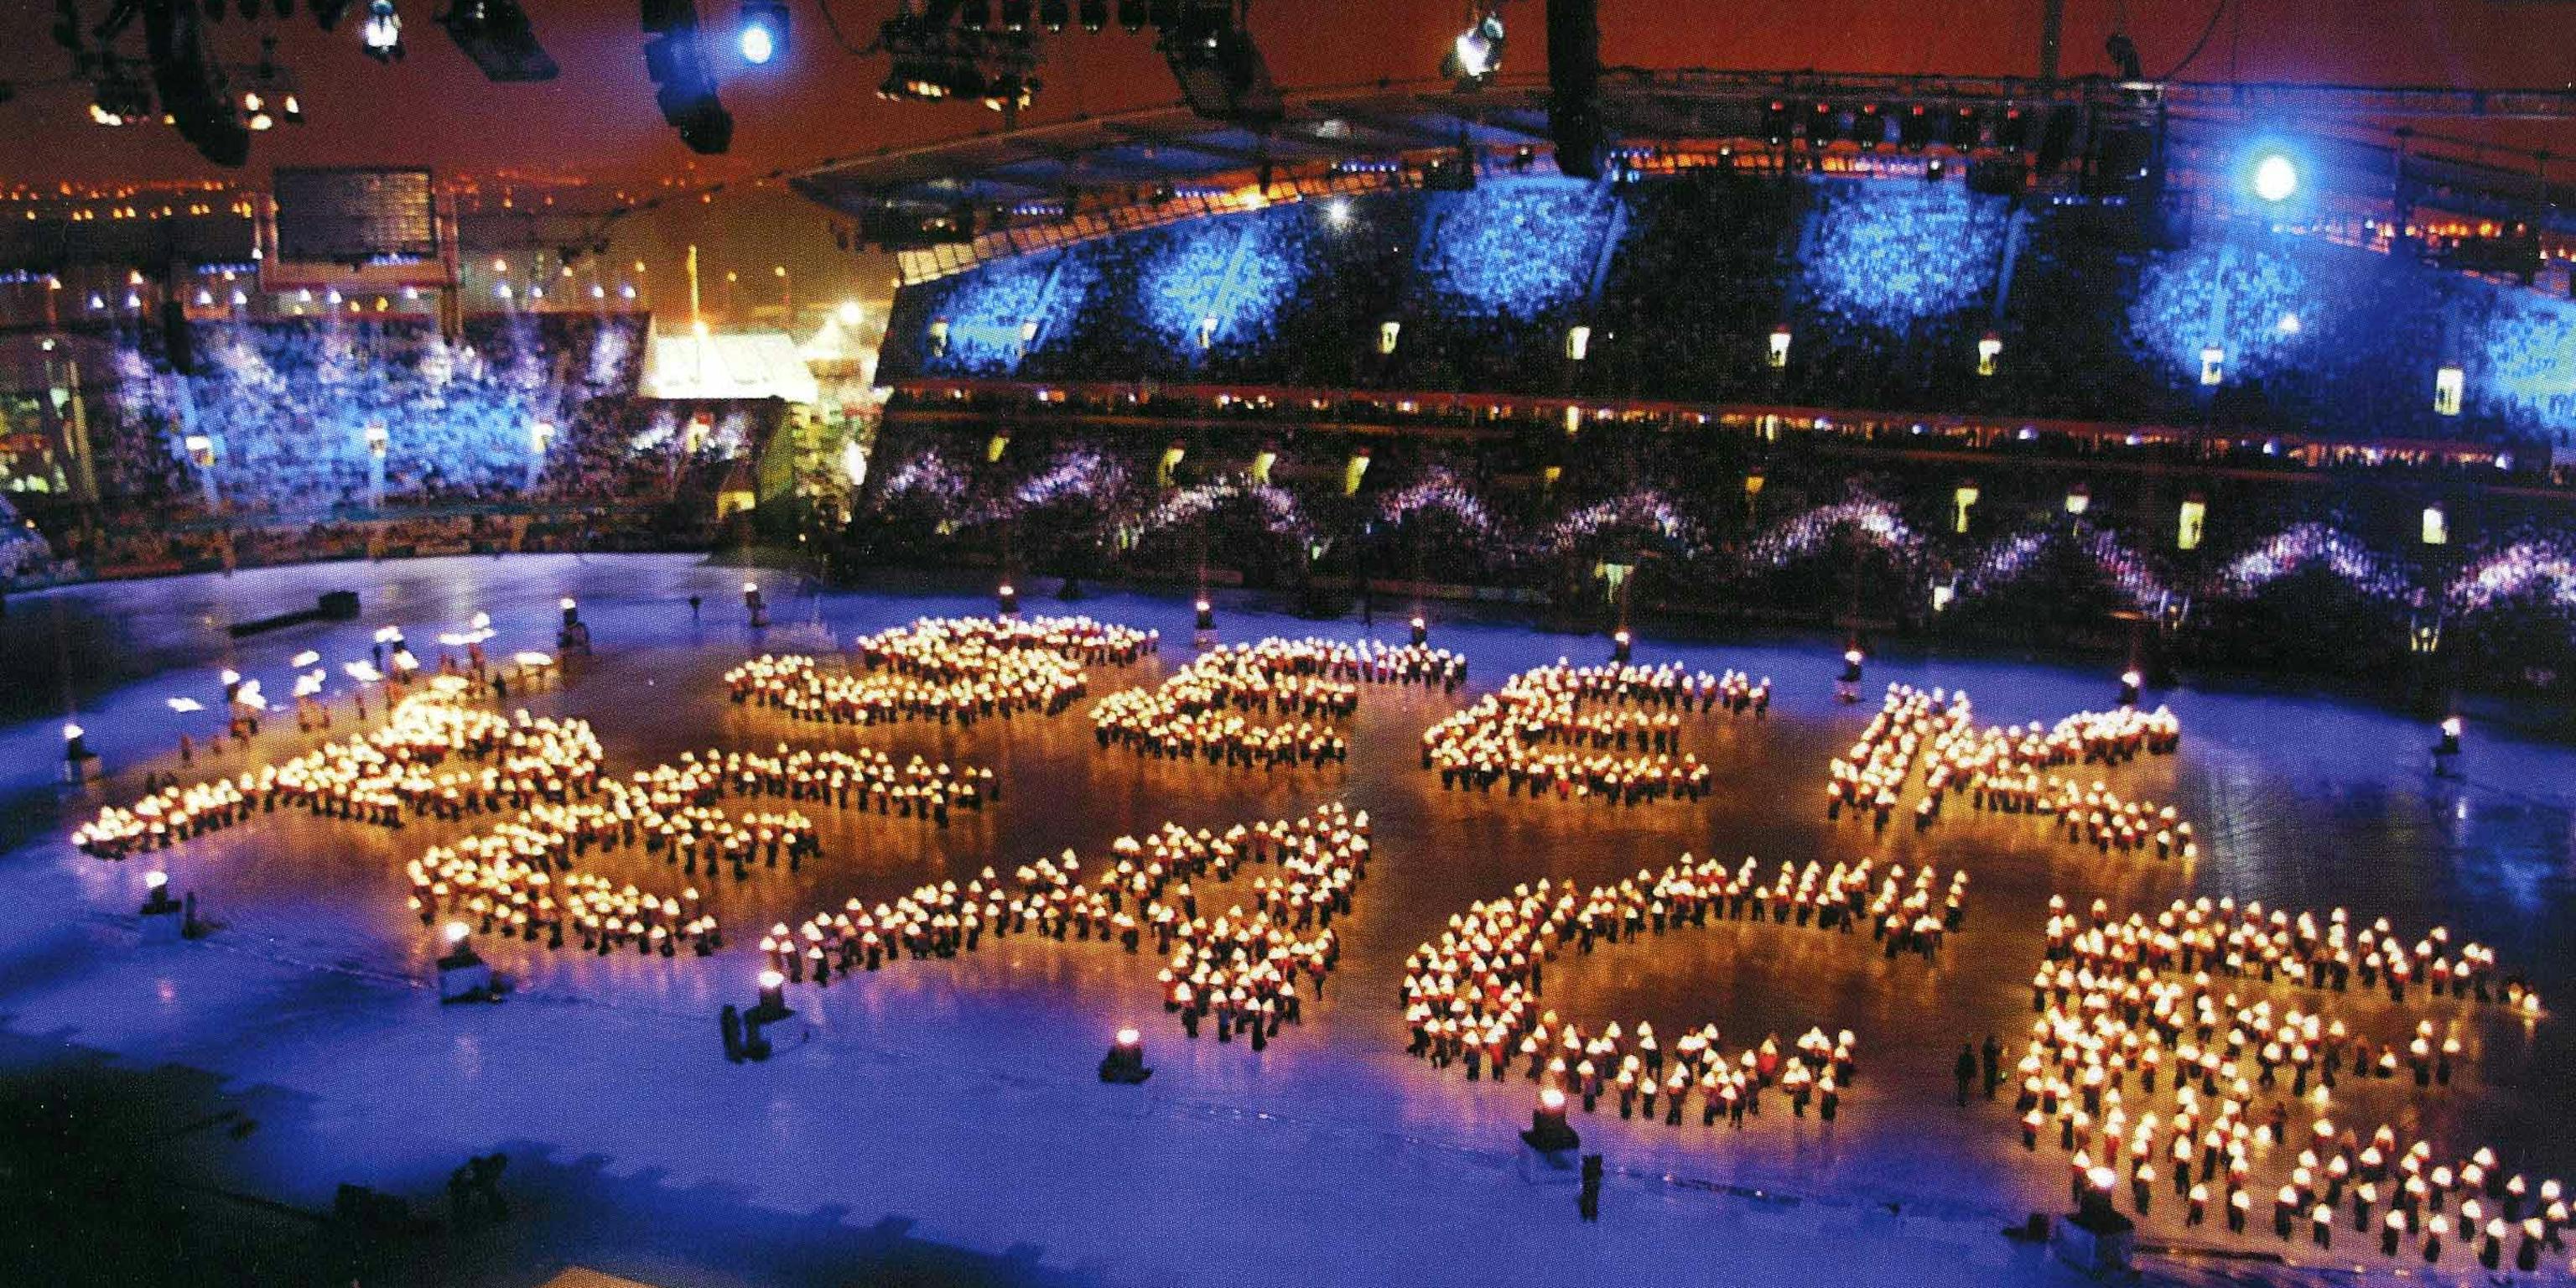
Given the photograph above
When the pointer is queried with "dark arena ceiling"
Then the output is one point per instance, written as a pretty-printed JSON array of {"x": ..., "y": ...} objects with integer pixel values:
[{"x": 2354, "y": 135}]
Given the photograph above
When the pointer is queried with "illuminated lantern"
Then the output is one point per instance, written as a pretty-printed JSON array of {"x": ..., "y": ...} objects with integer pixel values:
[
  {"x": 1028, "y": 332},
  {"x": 1573, "y": 420},
  {"x": 1386, "y": 334},
  {"x": 939, "y": 338},
  {"x": 773, "y": 995},
  {"x": 1171, "y": 460},
  {"x": 2213, "y": 365},
  {"x": 2079, "y": 498},
  {"x": 2450, "y": 743},
  {"x": 1125, "y": 1063},
  {"x": 1548, "y": 1132},
  {"x": 2131, "y": 683},
  {"x": 2195, "y": 515},
  {"x": 1421, "y": 631},
  {"x": 2448, "y": 384},
  {"x": 1578, "y": 342},
  {"x": 1989, "y": 348},
  {"x": 1622, "y": 644},
  {"x": 1753, "y": 484},
  {"x": 1964, "y": 499},
  {"x": 2437, "y": 526},
  {"x": 1779, "y": 354},
  {"x": 1261, "y": 463},
  {"x": 1943, "y": 593},
  {"x": 1207, "y": 331},
  {"x": 1551, "y": 474},
  {"x": 1354, "y": 470},
  {"x": 1009, "y": 595},
  {"x": 996, "y": 445}
]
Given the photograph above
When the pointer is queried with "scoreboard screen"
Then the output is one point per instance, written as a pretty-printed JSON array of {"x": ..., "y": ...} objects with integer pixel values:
[{"x": 354, "y": 216}]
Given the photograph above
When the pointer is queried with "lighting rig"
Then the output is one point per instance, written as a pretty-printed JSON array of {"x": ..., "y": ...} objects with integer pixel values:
[
  {"x": 179, "y": 81},
  {"x": 989, "y": 51}
]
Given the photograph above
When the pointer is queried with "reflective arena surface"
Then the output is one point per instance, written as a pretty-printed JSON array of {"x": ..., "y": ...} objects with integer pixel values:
[{"x": 941, "y": 1120}]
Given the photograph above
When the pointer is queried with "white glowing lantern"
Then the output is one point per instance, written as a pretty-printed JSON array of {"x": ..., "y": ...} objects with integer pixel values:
[
  {"x": 2437, "y": 526},
  {"x": 304, "y": 659},
  {"x": 2195, "y": 515},
  {"x": 2213, "y": 365},
  {"x": 854, "y": 463},
  {"x": 2079, "y": 498},
  {"x": 1386, "y": 335},
  {"x": 2449, "y": 384},
  {"x": 1779, "y": 352},
  {"x": 1989, "y": 348},
  {"x": 1578, "y": 342},
  {"x": 456, "y": 932}
]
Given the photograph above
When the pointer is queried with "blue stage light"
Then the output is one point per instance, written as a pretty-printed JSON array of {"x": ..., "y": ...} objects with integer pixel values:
[
  {"x": 763, "y": 34},
  {"x": 2276, "y": 177}
]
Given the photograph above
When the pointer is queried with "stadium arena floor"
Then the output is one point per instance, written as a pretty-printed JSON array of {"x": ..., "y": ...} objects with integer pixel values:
[{"x": 903, "y": 1104}]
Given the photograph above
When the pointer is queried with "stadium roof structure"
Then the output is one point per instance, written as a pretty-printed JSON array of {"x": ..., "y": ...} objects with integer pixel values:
[{"x": 2354, "y": 134}]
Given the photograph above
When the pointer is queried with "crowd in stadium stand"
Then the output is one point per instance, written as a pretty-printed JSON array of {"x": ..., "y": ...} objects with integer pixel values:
[
  {"x": 1864, "y": 301},
  {"x": 1704, "y": 521},
  {"x": 1880, "y": 290},
  {"x": 266, "y": 451}
]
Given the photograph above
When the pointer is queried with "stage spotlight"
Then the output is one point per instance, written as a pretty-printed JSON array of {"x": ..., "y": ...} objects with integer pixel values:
[
  {"x": 496, "y": 37},
  {"x": 763, "y": 35},
  {"x": 382, "y": 35},
  {"x": 1477, "y": 54},
  {"x": 190, "y": 84},
  {"x": 685, "y": 90},
  {"x": 2275, "y": 177}
]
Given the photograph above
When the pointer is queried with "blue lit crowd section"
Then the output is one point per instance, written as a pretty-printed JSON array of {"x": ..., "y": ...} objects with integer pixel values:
[
  {"x": 308, "y": 416},
  {"x": 1814, "y": 291}
]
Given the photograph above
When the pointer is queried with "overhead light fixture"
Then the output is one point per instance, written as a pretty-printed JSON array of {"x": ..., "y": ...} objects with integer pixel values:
[
  {"x": 675, "y": 56},
  {"x": 2276, "y": 177},
  {"x": 1477, "y": 54},
  {"x": 382, "y": 34},
  {"x": 189, "y": 82},
  {"x": 762, "y": 33},
  {"x": 497, "y": 36}
]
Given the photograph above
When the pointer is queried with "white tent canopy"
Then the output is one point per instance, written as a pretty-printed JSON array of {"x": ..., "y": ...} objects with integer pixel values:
[{"x": 706, "y": 366}]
